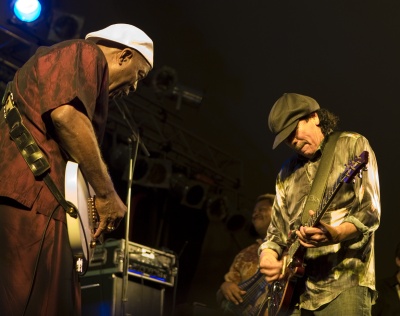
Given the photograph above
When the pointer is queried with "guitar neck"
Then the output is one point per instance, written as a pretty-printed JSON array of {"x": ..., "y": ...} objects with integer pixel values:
[{"x": 313, "y": 221}]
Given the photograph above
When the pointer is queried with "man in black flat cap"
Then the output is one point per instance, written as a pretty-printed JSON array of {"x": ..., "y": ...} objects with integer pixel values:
[{"x": 336, "y": 252}]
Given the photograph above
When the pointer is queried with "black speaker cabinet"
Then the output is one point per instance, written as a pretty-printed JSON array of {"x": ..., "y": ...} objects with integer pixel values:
[{"x": 101, "y": 296}]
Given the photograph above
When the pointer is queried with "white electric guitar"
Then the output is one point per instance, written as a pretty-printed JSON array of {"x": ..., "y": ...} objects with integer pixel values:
[{"x": 80, "y": 229}]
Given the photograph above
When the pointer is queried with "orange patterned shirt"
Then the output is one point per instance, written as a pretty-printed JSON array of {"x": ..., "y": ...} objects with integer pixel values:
[{"x": 245, "y": 264}]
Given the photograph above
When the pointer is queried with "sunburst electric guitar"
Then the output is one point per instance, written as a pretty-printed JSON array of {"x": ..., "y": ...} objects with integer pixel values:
[
  {"x": 82, "y": 227},
  {"x": 280, "y": 292}
]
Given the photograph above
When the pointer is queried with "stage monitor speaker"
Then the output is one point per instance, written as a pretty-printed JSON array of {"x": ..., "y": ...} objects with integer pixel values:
[{"x": 101, "y": 296}]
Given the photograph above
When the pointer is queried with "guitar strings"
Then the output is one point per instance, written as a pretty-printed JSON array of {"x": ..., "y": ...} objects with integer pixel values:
[{"x": 257, "y": 284}]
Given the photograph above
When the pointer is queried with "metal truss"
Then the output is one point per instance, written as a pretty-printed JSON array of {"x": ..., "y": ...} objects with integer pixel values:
[
  {"x": 162, "y": 133},
  {"x": 16, "y": 48}
]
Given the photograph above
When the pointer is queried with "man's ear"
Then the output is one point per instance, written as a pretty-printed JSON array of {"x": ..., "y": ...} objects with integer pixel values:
[
  {"x": 125, "y": 55},
  {"x": 315, "y": 117}
]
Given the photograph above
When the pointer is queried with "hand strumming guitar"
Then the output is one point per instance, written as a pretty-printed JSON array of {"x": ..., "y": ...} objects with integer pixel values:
[
  {"x": 270, "y": 266},
  {"x": 111, "y": 211},
  {"x": 232, "y": 292}
]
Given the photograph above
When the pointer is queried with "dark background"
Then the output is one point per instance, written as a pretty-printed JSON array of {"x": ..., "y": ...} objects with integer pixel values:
[{"x": 242, "y": 56}]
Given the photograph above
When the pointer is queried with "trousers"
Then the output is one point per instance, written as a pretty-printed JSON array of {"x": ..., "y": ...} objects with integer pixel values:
[{"x": 37, "y": 274}]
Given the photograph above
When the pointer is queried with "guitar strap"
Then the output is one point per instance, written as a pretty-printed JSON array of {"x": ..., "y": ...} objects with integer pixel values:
[
  {"x": 321, "y": 178},
  {"x": 30, "y": 151}
]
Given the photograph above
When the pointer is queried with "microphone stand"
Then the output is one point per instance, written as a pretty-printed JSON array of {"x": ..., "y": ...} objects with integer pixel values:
[{"x": 132, "y": 162}]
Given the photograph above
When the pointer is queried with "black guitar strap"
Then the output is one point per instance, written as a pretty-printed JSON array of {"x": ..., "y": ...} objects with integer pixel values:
[
  {"x": 29, "y": 149},
  {"x": 321, "y": 178}
]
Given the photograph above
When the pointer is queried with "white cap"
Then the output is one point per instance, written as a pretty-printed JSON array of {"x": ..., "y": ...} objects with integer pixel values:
[{"x": 127, "y": 35}]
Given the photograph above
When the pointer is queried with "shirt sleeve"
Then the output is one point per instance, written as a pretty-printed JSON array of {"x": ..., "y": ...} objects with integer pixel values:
[
  {"x": 70, "y": 73},
  {"x": 365, "y": 212},
  {"x": 279, "y": 228}
]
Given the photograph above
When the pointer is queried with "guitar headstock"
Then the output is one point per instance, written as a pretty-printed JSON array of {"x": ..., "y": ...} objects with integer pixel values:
[{"x": 355, "y": 167}]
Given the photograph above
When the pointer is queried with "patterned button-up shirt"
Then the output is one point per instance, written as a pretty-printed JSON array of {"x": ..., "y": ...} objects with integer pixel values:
[
  {"x": 334, "y": 268},
  {"x": 245, "y": 264}
]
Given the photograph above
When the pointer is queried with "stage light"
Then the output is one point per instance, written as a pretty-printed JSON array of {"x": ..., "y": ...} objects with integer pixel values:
[
  {"x": 40, "y": 20},
  {"x": 164, "y": 81},
  {"x": 27, "y": 10},
  {"x": 235, "y": 222},
  {"x": 194, "y": 194},
  {"x": 217, "y": 208},
  {"x": 189, "y": 192},
  {"x": 187, "y": 94},
  {"x": 158, "y": 173},
  {"x": 65, "y": 26},
  {"x": 151, "y": 172}
]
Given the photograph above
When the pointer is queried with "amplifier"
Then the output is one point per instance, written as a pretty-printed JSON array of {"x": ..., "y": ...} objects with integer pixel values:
[
  {"x": 144, "y": 262},
  {"x": 102, "y": 296}
]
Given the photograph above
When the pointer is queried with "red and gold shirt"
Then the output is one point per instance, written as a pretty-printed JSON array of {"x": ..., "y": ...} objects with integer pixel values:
[{"x": 71, "y": 72}]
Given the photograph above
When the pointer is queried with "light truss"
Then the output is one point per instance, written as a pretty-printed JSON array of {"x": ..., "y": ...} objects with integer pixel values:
[
  {"x": 161, "y": 132},
  {"x": 15, "y": 49}
]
